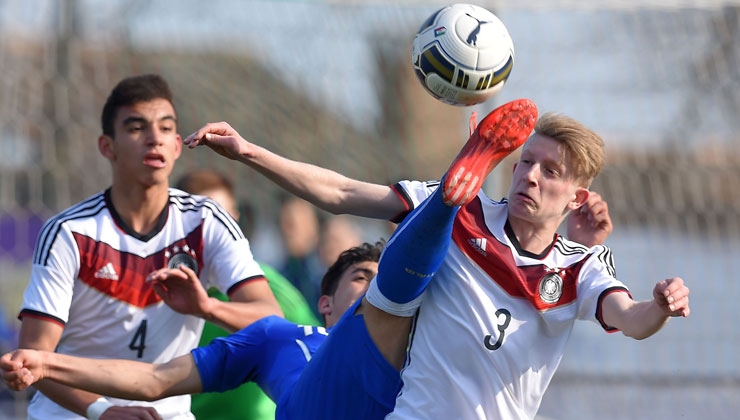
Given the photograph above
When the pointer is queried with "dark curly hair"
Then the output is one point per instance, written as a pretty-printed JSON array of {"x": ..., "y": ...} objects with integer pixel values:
[{"x": 358, "y": 254}]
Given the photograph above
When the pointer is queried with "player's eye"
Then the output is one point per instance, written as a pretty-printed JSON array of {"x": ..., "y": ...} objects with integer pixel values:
[{"x": 553, "y": 170}]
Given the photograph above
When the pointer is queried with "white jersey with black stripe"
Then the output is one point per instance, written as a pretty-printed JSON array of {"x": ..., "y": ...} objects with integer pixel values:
[
  {"x": 495, "y": 320},
  {"x": 89, "y": 275}
]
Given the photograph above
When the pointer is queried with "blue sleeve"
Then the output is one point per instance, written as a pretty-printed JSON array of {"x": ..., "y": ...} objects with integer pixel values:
[
  {"x": 271, "y": 352},
  {"x": 230, "y": 361}
]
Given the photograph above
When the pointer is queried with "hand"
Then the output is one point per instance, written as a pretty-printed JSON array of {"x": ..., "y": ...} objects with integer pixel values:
[
  {"x": 133, "y": 412},
  {"x": 181, "y": 290},
  {"x": 590, "y": 224},
  {"x": 672, "y": 296},
  {"x": 221, "y": 138},
  {"x": 21, "y": 368}
]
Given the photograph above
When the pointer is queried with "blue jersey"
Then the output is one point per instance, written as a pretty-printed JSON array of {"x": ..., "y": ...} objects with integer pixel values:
[
  {"x": 271, "y": 352},
  {"x": 347, "y": 378}
]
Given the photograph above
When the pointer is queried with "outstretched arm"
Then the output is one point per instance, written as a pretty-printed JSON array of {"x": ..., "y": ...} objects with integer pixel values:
[
  {"x": 640, "y": 320},
  {"x": 115, "y": 378},
  {"x": 41, "y": 334},
  {"x": 324, "y": 188}
]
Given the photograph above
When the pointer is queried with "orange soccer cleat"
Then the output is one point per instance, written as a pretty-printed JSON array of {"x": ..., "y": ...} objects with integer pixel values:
[{"x": 504, "y": 130}]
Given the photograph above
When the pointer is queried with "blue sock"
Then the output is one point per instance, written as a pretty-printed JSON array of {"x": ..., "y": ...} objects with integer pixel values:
[{"x": 416, "y": 250}]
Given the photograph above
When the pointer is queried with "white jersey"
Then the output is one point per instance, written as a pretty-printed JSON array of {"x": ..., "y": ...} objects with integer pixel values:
[
  {"x": 89, "y": 275},
  {"x": 495, "y": 320}
]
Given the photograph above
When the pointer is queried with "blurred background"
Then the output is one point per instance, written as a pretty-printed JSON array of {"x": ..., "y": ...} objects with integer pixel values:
[{"x": 330, "y": 83}]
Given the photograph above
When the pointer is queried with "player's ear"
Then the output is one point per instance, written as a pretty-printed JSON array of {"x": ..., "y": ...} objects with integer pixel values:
[
  {"x": 325, "y": 305},
  {"x": 178, "y": 146},
  {"x": 106, "y": 147},
  {"x": 579, "y": 198}
]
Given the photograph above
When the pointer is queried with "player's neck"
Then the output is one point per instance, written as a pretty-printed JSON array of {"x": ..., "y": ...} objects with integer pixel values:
[
  {"x": 138, "y": 207},
  {"x": 532, "y": 237}
]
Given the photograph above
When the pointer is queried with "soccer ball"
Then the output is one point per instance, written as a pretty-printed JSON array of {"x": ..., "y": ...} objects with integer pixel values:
[{"x": 463, "y": 54}]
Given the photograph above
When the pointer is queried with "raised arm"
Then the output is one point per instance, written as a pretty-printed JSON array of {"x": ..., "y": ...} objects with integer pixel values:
[
  {"x": 115, "y": 378},
  {"x": 590, "y": 224},
  {"x": 640, "y": 320},
  {"x": 324, "y": 188}
]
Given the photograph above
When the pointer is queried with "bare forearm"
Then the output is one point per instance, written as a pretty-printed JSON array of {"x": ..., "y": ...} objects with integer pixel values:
[
  {"x": 325, "y": 188},
  {"x": 75, "y": 400},
  {"x": 43, "y": 336},
  {"x": 115, "y": 378},
  {"x": 233, "y": 316},
  {"x": 641, "y": 320}
]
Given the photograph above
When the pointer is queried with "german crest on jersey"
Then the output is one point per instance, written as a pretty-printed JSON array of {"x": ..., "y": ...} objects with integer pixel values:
[
  {"x": 551, "y": 287},
  {"x": 182, "y": 256}
]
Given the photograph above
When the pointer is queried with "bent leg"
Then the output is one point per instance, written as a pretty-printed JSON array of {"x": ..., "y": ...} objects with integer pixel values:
[
  {"x": 418, "y": 247},
  {"x": 416, "y": 250}
]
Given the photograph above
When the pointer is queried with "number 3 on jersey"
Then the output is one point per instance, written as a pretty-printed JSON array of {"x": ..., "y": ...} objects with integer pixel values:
[
  {"x": 138, "y": 342},
  {"x": 504, "y": 316}
]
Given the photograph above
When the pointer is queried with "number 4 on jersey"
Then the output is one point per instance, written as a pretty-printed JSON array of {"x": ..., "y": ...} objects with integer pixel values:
[{"x": 138, "y": 342}]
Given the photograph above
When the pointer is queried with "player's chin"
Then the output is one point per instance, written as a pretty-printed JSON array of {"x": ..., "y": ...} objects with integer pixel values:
[
  {"x": 155, "y": 178},
  {"x": 522, "y": 207}
]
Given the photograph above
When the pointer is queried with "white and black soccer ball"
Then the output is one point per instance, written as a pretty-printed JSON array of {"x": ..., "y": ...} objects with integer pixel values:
[{"x": 463, "y": 54}]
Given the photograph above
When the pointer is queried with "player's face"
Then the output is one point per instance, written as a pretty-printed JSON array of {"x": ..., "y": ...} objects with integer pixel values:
[
  {"x": 352, "y": 285},
  {"x": 145, "y": 145},
  {"x": 542, "y": 189}
]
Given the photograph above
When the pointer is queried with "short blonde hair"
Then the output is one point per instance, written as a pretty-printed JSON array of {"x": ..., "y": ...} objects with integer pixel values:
[{"x": 584, "y": 148}]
